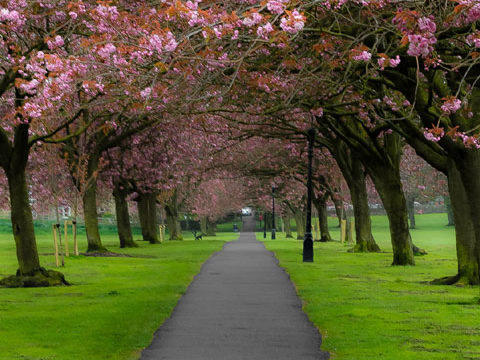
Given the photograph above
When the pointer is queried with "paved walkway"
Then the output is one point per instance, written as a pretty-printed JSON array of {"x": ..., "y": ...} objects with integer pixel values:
[{"x": 240, "y": 306}]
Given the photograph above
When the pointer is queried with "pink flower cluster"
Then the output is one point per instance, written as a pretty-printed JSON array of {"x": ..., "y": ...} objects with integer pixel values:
[
  {"x": 263, "y": 31},
  {"x": 431, "y": 135},
  {"x": 318, "y": 112},
  {"x": 107, "y": 50},
  {"x": 420, "y": 45},
  {"x": 277, "y": 6},
  {"x": 11, "y": 16},
  {"x": 294, "y": 23},
  {"x": 384, "y": 61},
  {"x": 363, "y": 56},
  {"x": 451, "y": 105},
  {"x": 252, "y": 19}
]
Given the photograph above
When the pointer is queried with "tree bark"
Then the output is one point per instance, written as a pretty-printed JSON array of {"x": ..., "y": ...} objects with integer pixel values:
[
  {"x": 355, "y": 177},
  {"x": 147, "y": 213},
  {"x": 13, "y": 160},
  {"x": 321, "y": 205},
  {"x": 411, "y": 210},
  {"x": 173, "y": 225},
  {"x": 211, "y": 228},
  {"x": 123, "y": 218},
  {"x": 90, "y": 207},
  {"x": 288, "y": 228},
  {"x": 463, "y": 175},
  {"x": 22, "y": 222},
  {"x": 338, "y": 203},
  {"x": 300, "y": 222},
  {"x": 389, "y": 187},
  {"x": 448, "y": 205},
  {"x": 203, "y": 225}
]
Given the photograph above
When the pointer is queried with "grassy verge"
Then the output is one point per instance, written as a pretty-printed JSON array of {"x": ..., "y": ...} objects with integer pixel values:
[
  {"x": 367, "y": 309},
  {"x": 113, "y": 307}
]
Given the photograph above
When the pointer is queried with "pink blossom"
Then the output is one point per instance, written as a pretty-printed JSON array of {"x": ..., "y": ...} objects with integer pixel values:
[
  {"x": 276, "y": 6},
  {"x": 145, "y": 93},
  {"x": 294, "y": 23},
  {"x": 107, "y": 50},
  {"x": 253, "y": 19},
  {"x": 318, "y": 112},
  {"x": 363, "y": 56},
  {"x": 419, "y": 45},
  {"x": 426, "y": 24},
  {"x": 263, "y": 31},
  {"x": 451, "y": 105}
]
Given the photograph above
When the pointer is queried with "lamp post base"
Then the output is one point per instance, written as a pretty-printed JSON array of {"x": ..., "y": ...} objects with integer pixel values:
[
  {"x": 273, "y": 234},
  {"x": 308, "y": 248}
]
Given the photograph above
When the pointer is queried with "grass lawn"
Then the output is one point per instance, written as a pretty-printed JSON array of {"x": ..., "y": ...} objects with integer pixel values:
[
  {"x": 114, "y": 305},
  {"x": 367, "y": 309}
]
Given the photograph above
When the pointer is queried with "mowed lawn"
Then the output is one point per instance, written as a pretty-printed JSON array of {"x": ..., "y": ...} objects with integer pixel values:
[
  {"x": 112, "y": 308},
  {"x": 367, "y": 309}
]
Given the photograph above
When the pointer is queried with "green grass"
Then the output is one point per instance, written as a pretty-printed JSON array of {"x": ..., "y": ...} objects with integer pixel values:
[
  {"x": 367, "y": 309},
  {"x": 113, "y": 307}
]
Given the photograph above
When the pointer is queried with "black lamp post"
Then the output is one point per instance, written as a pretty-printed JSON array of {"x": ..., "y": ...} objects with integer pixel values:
[
  {"x": 264, "y": 225},
  {"x": 308, "y": 239},
  {"x": 273, "y": 212}
]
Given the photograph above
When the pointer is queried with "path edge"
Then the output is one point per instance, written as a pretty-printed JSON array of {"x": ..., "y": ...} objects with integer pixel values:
[{"x": 181, "y": 297}]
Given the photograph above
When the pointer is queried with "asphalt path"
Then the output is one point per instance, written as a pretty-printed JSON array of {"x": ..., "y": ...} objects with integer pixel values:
[{"x": 241, "y": 305}]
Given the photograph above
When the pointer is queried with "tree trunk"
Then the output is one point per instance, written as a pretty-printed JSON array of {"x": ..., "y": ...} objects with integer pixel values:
[
  {"x": 411, "y": 210},
  {"x": 90, "y": 208},
  {"x": 29, "y": 273},
  {"x": 338, "y": 209},
  {"x": 123, "y": 218},
  {"x": 173, "y": 224},
  {"x": 355, "y": 177},
  {"x": 389, "y": 188},
  {"x": 22, "y": 223},
  {"x": 211, "y": 228},
  {"x": 321, "y": 205},
  {"x": 448, "y": 205},
  {"x": 288, "y": 228},
  {"x": 203, "y": 225},
  {"x": 147, "y": 213},
  {"x": 300, "y": 222},
  {"x": 463, "y": 175}
]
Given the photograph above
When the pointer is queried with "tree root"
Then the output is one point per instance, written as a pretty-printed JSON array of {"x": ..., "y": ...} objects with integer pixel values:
[
  {"x": 365, "y": 247},
  {"x": 419, "y": 252},
  {"x": 39, "y": 278},
  {"x": 456, "y": 280}
]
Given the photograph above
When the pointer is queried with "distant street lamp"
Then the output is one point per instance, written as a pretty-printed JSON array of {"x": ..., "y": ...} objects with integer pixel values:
[
  {"x": 264, "y": 225},
  {"x": 308, "y": 239},
  {"x": 273, "y": 212}
]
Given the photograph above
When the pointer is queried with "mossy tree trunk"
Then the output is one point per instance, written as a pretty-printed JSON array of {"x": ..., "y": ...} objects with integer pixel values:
[
  {"x": 90, "y": 206},
  {"x": 123, "y": 217},
  {"x": 448, "y": 206},
  {"x": 464, "y": 187},
  {"x": 321, "y": 206},
  {"x": 147, "y": 213},
  {"x": 411, "y": 210},
  {"x": 14, "y": 159},
  {"x": 338, "y": 208},
  {"x": 173, "y": 225},
  {"x": 288, "y": 227},
  {"x": 301, "y": 223},
  {"x": 355, "y": 177},
  {"x": 22, "y": 221},
  {"x": 211, "y": 227},
  {"x": 389, "y": 187},
  {"x": 203, "y": 225},
  {"x": 385, "y": 173}
]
